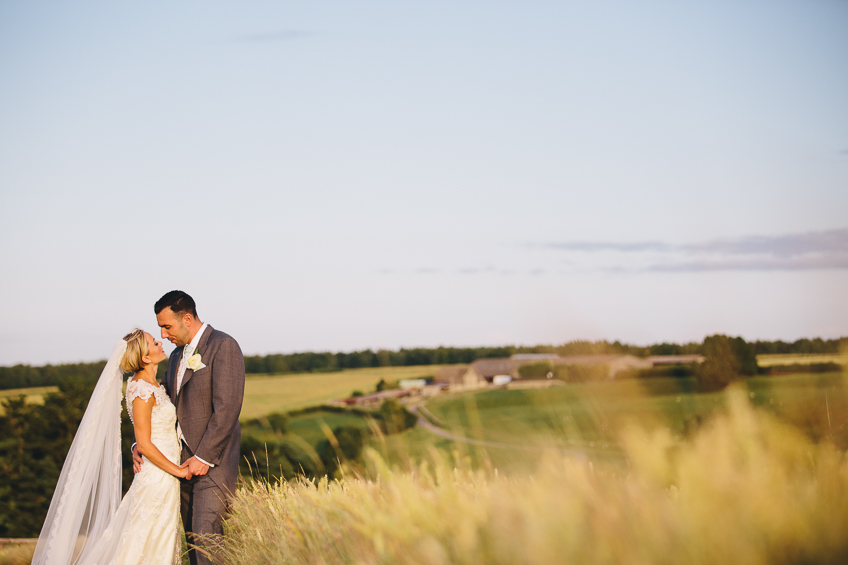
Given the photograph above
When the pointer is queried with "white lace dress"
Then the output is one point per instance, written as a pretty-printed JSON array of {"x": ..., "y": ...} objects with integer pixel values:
[{"x": 146, "y": 528}]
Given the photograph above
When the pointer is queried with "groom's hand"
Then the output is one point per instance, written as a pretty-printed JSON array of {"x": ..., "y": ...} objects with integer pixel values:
[
  {"x": 137, "y": 460},
  {"x": 195, "y": 468}
]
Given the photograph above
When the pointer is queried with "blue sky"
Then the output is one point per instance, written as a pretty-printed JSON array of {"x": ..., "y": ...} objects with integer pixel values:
[{"x": 336, "y": 176}]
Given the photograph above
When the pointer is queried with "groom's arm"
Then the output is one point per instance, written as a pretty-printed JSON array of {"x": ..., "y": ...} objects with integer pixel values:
[{"x": 227, "y": 397}]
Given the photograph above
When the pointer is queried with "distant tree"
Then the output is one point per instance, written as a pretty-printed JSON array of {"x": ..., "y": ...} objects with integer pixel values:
[
  {"x": 720, "y": 366},
  {"x": 357, "y": 393},
  {"x": 746, "y": 356}
]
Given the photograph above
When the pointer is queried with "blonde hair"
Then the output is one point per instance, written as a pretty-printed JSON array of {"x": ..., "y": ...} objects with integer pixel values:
[{"x": 136, "y": 349}]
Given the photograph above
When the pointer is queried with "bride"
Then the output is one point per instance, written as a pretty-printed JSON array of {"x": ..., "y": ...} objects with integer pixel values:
[{"x": 88, "y": 523}]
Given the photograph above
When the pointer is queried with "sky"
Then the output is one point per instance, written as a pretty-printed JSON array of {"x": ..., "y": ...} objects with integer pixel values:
[{"x": 348, "y": 175}]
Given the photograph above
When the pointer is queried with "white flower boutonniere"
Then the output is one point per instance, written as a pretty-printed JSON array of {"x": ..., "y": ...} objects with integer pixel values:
[{"x": 195, "y": 363}]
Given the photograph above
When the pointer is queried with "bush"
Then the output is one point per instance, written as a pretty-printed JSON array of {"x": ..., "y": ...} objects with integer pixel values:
[
  {"x": 394, "y": 417},
  {"x": 538, "y": 370},
  {"x": 349, "y": 443},
  {"x": 797, "y": 368},
  {"x": 676, "y": 371},
  {"x": 278, "y": 422},
  {"x": 280, "y": 459}
]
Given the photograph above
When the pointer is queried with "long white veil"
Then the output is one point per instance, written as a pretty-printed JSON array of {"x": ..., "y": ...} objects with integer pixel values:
[{"x": 89, "y": 489}]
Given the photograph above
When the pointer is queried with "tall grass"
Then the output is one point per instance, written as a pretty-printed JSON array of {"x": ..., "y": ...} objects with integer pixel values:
[
  {"x": 16, "y": 554},
  {"x": 743, "y": 489}
]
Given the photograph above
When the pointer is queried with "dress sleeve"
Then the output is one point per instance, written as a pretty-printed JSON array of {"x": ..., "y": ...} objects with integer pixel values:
[{"x": 142, "y": 390}]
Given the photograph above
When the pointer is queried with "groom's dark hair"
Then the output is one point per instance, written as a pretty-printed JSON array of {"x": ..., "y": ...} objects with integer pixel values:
[{"x": 178, "y": 301}]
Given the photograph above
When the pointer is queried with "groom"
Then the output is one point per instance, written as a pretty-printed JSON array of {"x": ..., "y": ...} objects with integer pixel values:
[{"x": 205, "y": 381}]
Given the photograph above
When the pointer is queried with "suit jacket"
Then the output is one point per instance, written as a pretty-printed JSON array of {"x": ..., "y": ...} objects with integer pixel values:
[{"x": 209, "y": 404}]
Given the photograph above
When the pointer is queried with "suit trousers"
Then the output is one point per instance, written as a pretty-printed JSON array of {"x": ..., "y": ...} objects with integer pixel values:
[{"x": 202, "y": 506}]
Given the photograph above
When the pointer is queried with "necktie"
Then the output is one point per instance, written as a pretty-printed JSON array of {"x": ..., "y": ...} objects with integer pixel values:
[{"x": 182, "y": 368}]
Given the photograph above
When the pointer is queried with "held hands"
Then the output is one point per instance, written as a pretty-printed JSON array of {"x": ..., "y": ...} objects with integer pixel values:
[
  {"x": 194, "y": 467},
  {"x": 191, "y": 468},
  {"x": 137, "y": 460}
]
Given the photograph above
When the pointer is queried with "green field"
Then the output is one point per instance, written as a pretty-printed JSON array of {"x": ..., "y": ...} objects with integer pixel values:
[
  {"x": 310, "y": 426},
  {"x": 264, "y": 394},
  {"x": 591, "y": 417}
]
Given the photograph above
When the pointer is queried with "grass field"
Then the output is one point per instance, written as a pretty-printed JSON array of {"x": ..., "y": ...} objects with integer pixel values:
[
  {"x": 590, "y": 417},
  {"x": 800, "y": 359},
  {"x": 33, "y": 395},
  {"x": 310, "y": 426},
  {"x": 281, "y": 393},
  {"x": 743, "y": 488}
]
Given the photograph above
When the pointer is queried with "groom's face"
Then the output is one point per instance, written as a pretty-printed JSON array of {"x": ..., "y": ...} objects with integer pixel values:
[{"x": 173, "y": 328}]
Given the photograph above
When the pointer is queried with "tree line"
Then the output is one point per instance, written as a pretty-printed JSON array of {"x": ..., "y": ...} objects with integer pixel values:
[{"x": 25, "y": 376}]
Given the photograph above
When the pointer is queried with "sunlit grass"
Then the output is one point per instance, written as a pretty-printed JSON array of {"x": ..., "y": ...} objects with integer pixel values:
[
  {"x": 16, "y": 554},
  {"x": 801, "y": 359},
  {"x": 34, "y": 395},
  {"x": 744, "y": 488}
]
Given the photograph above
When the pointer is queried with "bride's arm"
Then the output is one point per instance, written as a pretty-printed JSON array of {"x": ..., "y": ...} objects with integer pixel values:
[{"x": 142, "y": 413}]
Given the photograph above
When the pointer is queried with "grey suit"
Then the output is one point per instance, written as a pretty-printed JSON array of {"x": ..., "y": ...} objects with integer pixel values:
[{"x": 208, "y": 407}]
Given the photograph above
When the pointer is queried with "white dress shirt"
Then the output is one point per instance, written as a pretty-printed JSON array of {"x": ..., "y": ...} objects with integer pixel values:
[{"x": 188, "y": 351}]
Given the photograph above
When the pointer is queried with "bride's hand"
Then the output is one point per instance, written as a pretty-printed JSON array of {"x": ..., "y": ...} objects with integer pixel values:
[
  {"x": 137, "y": 460},
  {"x": 184, "y": 473}
]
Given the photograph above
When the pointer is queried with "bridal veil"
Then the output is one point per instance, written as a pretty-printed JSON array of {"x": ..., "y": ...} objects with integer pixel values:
[{"x": 89, "y": 489}]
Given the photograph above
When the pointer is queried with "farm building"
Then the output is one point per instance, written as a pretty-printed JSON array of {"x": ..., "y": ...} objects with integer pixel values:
[
  {"x": 416, "y": 384},
  {"x": 488, "y": 369},
  {"x": 459, "y": 376}
]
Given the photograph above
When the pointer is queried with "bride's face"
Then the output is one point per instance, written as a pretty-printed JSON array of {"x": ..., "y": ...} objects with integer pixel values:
[{"x": 154, "y": 349}]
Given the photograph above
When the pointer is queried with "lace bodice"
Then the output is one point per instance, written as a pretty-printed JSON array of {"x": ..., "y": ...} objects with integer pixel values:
[{"x": 164, "y": 416}]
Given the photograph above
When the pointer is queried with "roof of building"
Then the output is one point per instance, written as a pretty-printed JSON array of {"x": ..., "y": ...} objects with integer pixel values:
[
  {"x": 450, "y": 374},
  {"x": 534, "y": 356},
  {"x": 488, "y": 368}
]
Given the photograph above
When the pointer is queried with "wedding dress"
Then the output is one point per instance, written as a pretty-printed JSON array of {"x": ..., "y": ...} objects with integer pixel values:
[{"x": 85, "y": 525}]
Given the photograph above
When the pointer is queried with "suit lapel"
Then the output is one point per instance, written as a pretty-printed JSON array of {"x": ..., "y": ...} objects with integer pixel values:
[
  {"x": 173, "y": 367},
  {"x": 201, "y": 348}
]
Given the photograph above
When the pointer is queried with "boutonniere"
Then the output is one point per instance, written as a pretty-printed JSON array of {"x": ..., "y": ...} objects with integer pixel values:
[{"x": 195, "y": 363}]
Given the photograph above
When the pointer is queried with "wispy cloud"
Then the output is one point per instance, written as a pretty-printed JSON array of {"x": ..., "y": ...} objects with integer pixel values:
[
  {"x": 789, "y": 252},
  {"x": 828, "y": 242},
  {"x": 781, "y": 264}
]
